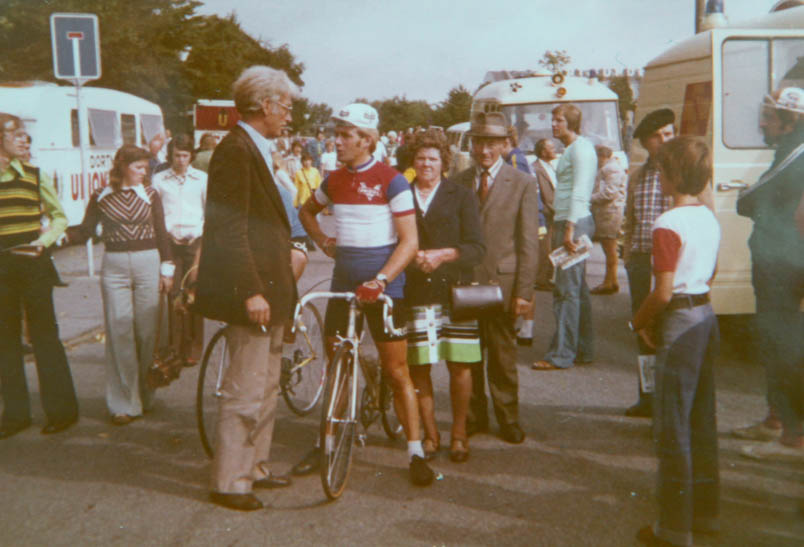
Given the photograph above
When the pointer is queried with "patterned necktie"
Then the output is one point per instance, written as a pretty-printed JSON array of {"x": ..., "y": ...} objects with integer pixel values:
[{"x": 483, "y": 190}]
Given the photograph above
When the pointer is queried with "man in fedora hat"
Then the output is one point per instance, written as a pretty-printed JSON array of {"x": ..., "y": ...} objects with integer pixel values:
[{"x": 509, "y": 209}]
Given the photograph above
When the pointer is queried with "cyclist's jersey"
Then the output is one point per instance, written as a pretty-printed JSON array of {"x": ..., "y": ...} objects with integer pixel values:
[{"x": 364, "y": 202}]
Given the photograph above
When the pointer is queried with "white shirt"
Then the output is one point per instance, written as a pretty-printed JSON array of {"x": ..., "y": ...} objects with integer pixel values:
[
  {"x": 551, "y": 171},
  {"x": 424, "y": 203},
  {"x": 493, "y": 170},
  {"x": 265, "y": 146},
  {"x": 183, "y": 199},
  {"x": 379, "y": 152},
  {"x": 329, "y": 161}
]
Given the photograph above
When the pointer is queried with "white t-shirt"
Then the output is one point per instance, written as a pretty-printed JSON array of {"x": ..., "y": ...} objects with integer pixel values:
[
  {"x": 379, "y": 152},
  {"x": 685, "y": 241},
  {"x": 329, "y": 161}
]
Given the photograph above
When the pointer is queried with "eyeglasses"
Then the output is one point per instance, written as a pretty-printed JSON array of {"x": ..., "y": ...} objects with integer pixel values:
[
  {"x": 288, "y": 108},
  {"x": 16, "y": 134}
]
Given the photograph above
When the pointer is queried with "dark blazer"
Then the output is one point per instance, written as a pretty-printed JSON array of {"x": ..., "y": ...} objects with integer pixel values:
[
  {"x": 510, "y": 231},
  {"x": 246, "y": 243},
  {"x": 546, "y": 190},
  {"x": 452, "y": 220}
]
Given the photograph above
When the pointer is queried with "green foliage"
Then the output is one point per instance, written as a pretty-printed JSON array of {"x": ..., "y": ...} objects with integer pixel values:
[
  {"x": 309, "y": 117},
  {"x": 621, "y": 86},
  {"x": 143, "y": 43},
  {"x": 556, "y": 60},
  {"x": 400, "y": 113},
  {"x": 455, "y": 109}
]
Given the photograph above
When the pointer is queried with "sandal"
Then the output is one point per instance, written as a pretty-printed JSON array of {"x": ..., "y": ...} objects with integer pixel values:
[
  {"x": 605, "y": 289},
  {"x": 544, "y": 365},
  {"x": 459, "y": 450},
  {"x": 430, "y": 448}
]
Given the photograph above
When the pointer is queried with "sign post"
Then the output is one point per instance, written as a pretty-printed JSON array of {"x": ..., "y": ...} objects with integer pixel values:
[{"x": 76, "y": 58}]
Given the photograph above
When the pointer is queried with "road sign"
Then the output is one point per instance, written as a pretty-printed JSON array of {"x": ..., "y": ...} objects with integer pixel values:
[{"x": 76, "y": 46}]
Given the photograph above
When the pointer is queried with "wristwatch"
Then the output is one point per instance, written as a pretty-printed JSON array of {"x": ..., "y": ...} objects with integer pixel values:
[{"x": 382, "y": 278}]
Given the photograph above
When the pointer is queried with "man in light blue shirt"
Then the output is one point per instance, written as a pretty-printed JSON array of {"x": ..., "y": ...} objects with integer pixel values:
[{"x": 575, "y": 174}]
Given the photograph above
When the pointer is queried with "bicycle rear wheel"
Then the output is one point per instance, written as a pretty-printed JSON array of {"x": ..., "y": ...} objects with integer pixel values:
[
  {"x": 304, "y": 364},
  {"x": 337, "y": 435},
  {"x": 210, "y": 378},
  {"x": 390, "y": 423}
]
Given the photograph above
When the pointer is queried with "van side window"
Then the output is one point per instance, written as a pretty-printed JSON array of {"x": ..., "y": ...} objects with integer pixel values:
[
  {"x": 75, "y": 131},
  {"x": 105, "y": 128},
  {"x": 151, "y": 125},
  {"x": 128, "y": 127},
  {"x": 751, "y": 69}
]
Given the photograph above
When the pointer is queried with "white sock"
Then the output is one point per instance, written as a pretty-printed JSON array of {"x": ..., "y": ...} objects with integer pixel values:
[
  {"x": 415, "y": 449},
  {"x": 526, "y": 329}
]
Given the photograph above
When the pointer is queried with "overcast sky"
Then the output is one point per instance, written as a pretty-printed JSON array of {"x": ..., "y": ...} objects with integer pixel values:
[{"x": 422, "y": 48}]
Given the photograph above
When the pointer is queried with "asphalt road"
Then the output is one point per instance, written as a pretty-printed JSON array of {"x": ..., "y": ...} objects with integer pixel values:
[{"x": 584, "y": 475}]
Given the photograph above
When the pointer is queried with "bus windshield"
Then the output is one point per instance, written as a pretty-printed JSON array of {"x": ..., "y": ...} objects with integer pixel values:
[{"x": 532, "y": 122}]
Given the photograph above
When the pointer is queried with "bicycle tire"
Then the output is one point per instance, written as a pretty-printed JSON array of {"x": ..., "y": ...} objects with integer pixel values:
[
  {"x": 302, "y": 386},
  {"x": 390, "y": 423},
  {"x": 213, "y": 366},
  {"x": 336, "y": 454}
]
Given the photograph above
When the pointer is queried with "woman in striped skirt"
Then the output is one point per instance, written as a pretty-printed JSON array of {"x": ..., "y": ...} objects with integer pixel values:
[{"x": 450, "y": 244}]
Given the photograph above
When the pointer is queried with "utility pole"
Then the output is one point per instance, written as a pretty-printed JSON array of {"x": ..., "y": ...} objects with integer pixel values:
[{"x": 700, "y": 11}]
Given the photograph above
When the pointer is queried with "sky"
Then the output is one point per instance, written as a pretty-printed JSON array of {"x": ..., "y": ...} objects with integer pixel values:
[{"x": 420, "y": 49}]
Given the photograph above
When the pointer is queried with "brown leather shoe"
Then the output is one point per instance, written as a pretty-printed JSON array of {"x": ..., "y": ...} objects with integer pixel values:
[
  {"x": 241, "y": 502},
  {"x": 459, "y": 450}
]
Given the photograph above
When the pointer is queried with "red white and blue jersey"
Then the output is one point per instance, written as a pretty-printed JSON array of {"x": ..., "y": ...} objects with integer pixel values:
[{"x": 364, "y": 202}]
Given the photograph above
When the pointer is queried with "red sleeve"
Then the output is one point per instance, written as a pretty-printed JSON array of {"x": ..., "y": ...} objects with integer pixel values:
[{"x": 666, "y": 250}]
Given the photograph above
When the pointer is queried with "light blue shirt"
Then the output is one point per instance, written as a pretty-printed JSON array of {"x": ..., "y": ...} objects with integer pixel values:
[
  {"x": 265, "y": 146},
  {"x": 575, "y": 180}
]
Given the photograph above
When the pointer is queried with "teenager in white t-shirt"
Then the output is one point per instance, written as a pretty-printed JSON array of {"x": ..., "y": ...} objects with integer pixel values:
[{"x": 677, "y": 319}]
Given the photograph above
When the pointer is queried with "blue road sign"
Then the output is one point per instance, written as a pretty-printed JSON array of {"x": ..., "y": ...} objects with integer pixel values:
[{"x": 76, "y": 46}]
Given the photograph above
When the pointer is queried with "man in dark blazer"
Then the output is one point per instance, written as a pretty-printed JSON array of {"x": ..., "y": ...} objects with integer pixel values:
[
  {"x": 509, "y": 206},
  {"x": 245, "y": 279}
]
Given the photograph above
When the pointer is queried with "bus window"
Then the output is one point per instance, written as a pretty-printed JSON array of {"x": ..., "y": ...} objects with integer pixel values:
[
  {"x": 128, "y": 126},
  {"x": 748, "y": 76},
  {"x": 104, "y": 128},
  {"x": 74, "y": 130},
  {"x": 151, "y": 126}
]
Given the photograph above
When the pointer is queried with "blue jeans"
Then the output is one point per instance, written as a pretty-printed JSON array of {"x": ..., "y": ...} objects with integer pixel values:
[
  {"x": 573, "y": 339},
  {"x": 780, "y": 326},
  {"x": 685, "y": 429}
]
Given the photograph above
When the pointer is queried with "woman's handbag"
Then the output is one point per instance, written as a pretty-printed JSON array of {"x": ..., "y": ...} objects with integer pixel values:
[
  {"x": 475, "y": 301},
  {"x": 167, "y": 363}
]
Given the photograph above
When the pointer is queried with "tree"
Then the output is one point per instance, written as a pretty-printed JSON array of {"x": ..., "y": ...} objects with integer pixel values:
[
  {"x": 622, "y": 87},
  {"x": 556, "y": 60},
  {"x": 308, "y": 117},
  {"x": 455, "y": 109}
]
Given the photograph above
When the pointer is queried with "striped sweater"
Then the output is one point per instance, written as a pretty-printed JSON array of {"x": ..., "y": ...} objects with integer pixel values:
[{"x": 132, "y": 220}]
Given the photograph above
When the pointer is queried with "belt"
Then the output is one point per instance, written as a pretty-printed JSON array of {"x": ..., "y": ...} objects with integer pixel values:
[{"x": 680, "y": 301}]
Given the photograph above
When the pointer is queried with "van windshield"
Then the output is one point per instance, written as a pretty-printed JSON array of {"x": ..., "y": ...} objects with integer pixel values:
[
  {"x": 752, "y": 68},
  {"x": 532, "y": 122}
]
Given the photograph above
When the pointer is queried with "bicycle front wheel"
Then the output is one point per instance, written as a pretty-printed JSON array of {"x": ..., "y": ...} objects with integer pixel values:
[
  {"x": 390, "y": 423},
  {"x": 337, "y": 435},
  {"x": 304, "y": 364},
  {"x": 210, "y": 378}
]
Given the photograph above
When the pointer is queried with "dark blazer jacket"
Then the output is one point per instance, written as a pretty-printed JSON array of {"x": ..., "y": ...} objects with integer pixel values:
[
  {"x": 246, "y": 243},
  {"x": 452, "y": 220},
  {"x": 545, "y": 189},
  {"x": 510, "y": 222}
]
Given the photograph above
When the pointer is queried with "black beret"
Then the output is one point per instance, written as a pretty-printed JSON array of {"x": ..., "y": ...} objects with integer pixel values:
[{"x": 653, "y": 121}]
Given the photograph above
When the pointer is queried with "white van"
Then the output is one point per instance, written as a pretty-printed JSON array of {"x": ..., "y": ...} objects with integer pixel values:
[
  {"x": 528, "y": 104},
  {"x": 458, "y": 139},
  {"x": 49, "y": 112},
  {"x": 714, "y": 82}
]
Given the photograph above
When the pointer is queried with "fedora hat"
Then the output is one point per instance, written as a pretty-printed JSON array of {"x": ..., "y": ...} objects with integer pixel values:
[{"x": 489, "y": 124}]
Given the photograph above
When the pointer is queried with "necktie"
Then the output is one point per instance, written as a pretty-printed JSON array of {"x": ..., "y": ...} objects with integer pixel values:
[{"x": 483, "y": 190}]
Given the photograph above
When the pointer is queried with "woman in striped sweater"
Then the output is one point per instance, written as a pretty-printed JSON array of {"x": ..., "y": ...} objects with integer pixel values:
[{"x": 136, "y": 267}]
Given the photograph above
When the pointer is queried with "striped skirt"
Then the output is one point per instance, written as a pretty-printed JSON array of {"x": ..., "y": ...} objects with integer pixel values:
[{"x": 433, "y": 337}]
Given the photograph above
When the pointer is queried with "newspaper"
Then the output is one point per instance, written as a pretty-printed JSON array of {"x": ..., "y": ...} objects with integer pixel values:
[
  {"x": 561, "y": 258},
  {"x": 647, "y": 373}
]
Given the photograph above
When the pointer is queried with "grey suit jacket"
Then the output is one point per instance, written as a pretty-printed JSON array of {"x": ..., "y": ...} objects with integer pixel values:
[
  {"x": 510, "y": 218},
  {"x": 545, "y": 189}
]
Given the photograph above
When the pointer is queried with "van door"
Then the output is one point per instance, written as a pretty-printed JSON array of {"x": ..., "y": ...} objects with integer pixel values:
[{"x": 747, "y": 65}]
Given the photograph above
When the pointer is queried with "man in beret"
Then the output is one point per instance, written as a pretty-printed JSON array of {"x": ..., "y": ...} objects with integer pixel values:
[{"x": 644, "y": 203}]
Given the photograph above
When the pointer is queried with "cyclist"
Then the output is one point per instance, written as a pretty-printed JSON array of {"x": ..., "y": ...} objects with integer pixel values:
[{"x": 376, "y": 239}]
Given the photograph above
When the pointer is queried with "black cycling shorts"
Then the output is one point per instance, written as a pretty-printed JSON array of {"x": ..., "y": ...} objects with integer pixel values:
[{"x": 336, "y": 319}]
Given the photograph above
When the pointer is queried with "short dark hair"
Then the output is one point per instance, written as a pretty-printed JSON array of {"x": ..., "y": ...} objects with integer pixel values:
[
  {"x": 431, "y": 138},
  {"x": 538, "y": 148},
  {"x": 182, "y": 141},
  {"x": 572, "y": 114},
  {"x": 686, "y": 161},
  {"x": 306, "y": 156}
]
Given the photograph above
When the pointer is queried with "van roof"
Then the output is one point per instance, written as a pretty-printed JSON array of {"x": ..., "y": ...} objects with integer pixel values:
[
  {"x": 31, "y": 100},
  {"x": 458, "y": 127},
  {"x": 541, "y": 89},
  {"x": 700, "y": 45}
]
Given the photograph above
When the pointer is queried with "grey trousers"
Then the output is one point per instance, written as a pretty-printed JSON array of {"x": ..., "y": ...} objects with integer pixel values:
[
  {"x": 130, "y": 290},
  {"x": 685, "y": 426},
  {"x": 247, "y": 408}
]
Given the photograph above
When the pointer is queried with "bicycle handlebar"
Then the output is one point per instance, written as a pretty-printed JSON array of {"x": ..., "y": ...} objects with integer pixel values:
[{"x": 387, "y": 308}]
